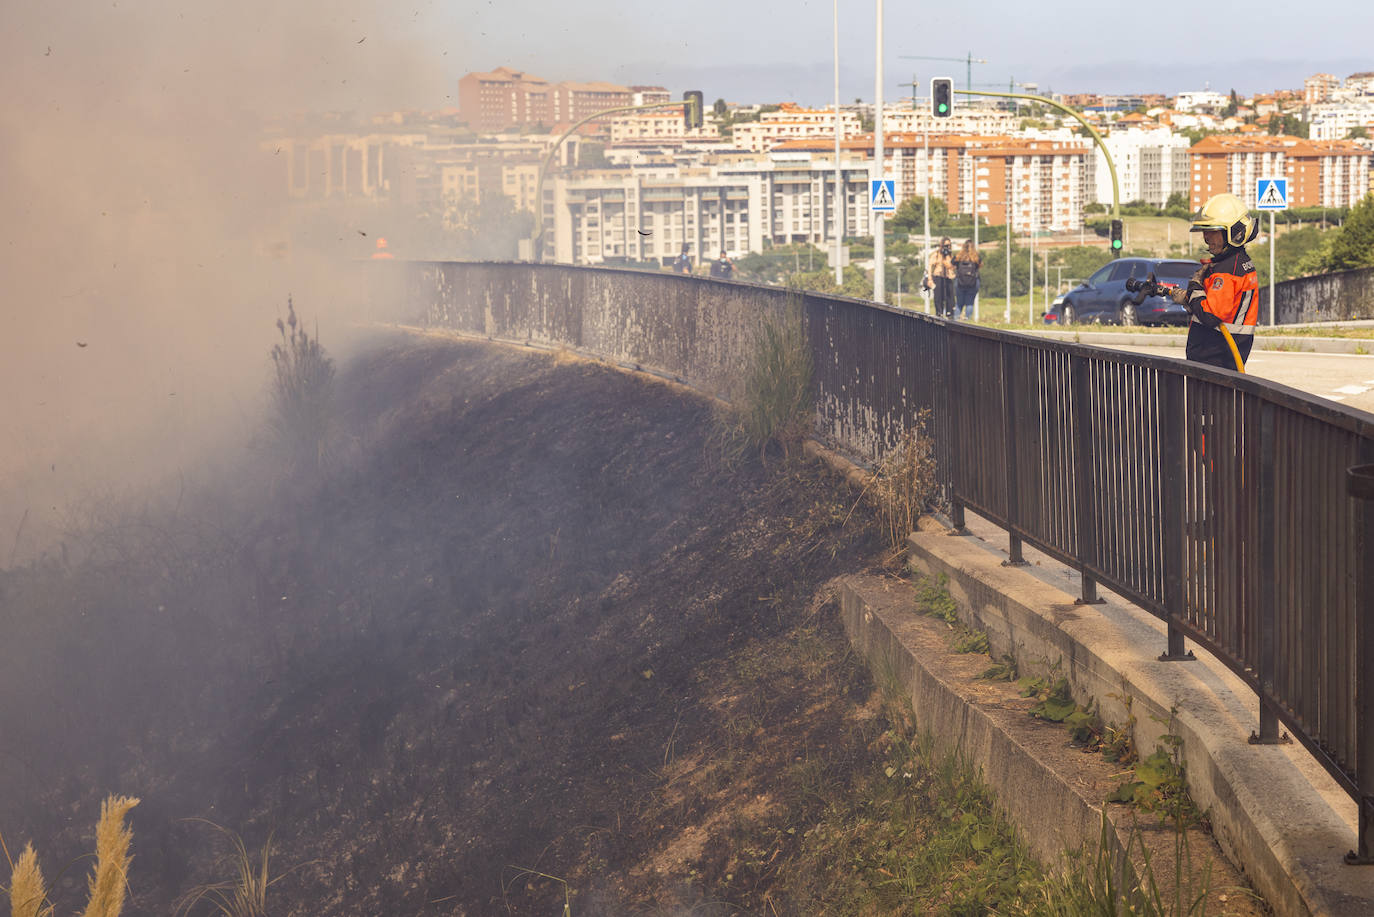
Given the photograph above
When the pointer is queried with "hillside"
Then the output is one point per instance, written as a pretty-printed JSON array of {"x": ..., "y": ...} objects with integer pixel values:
[{"x": 527, "y": 624}]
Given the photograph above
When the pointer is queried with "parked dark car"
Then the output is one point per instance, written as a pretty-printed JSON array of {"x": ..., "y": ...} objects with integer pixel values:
[{"x": 1103, "y": 297}]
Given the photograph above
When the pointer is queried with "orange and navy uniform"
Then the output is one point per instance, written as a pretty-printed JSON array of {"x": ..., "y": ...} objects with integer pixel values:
[{"x": 1225, "y": 293}]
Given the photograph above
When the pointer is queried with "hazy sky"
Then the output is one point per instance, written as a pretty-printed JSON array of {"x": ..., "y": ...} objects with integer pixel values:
[{"x": 759, "y": 51}]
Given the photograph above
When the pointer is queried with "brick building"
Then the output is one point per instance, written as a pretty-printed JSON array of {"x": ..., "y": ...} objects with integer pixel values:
[
  {"x": 1332, "y": 173},
  {"x": 506, "y": 98}
]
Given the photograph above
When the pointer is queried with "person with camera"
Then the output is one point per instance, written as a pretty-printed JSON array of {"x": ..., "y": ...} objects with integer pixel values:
[
  {"x": 967, "y": 264},
  {"x": 940, "y": 278},
  {"x": 1225, "y": 290}
]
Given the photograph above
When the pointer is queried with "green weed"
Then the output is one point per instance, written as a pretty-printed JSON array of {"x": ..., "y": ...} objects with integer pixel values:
[{"x": 772, "y": 403}]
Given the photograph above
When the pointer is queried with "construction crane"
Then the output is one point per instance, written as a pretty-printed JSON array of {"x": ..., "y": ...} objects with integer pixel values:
[{"x": 970, "y": 61}]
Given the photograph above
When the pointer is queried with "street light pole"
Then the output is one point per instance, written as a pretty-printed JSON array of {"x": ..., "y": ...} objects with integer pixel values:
[
  {"x": 879, "y": 246},
  {"x": 839, "y": 182}
]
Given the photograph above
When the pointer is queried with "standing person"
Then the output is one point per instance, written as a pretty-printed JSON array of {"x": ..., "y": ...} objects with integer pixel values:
[
  {"x": 940, "y": 277},
  {"x": 683, "y": 263},
  {"x": 723, "y": 267},
  {"x": 1225, "y": 290},
  {"x": 967, "y": 264}
]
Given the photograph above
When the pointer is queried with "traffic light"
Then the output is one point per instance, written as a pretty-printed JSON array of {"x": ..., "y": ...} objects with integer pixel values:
[
  {"x": 942, "y": 97},
  {"x": 1116, "y": 238},
  {"x": 691, "y": 109}
]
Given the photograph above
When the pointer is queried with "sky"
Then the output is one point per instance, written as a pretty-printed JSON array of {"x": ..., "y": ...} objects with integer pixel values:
[{"x": 760, "y": 51}]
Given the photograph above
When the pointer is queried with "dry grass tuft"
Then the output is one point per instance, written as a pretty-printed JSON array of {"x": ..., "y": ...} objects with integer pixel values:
[
  {"x": 904, "y": 486},
  {"x": 302, "y": 394},
  {"x": 244, "y": 895}
]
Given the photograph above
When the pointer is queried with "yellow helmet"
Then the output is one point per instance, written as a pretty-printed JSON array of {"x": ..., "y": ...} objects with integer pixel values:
[{"x": 1226, "y": 213}]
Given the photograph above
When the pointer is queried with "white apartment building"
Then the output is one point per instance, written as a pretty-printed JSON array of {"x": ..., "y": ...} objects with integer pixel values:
[
  {"x": 793, "y": 123},
  {"x": 1203, "y": 100},
  {"x": 1150, "y": 166},
  {"x": 1360, "y": 83},
  {"x": 648, "y": 214},
  {"x": 1335, "y": 120},
  {"x": 966, "y": 119},
  {"x": 663, "y": 125}
]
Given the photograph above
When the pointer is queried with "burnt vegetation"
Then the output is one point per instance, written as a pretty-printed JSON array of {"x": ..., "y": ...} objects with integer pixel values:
[{"x": 465, "y": 667}]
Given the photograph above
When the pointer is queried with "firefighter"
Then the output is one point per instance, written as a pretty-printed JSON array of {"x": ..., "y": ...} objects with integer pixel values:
[{"x": 1225, "y": 290}]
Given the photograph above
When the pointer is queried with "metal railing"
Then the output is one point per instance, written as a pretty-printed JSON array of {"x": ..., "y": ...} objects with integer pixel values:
[{"x": 1217, "y": 502}]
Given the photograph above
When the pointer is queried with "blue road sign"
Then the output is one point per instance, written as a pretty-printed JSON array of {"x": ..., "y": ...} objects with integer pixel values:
[
  {"x": 1271, "y": 194},
  {"x": 882, "y": 195}
]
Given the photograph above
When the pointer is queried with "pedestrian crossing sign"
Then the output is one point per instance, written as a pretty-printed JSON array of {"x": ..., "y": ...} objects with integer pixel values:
[
  {"x": 882, "y": 195},
  {"x": 1271, "y": 194}
]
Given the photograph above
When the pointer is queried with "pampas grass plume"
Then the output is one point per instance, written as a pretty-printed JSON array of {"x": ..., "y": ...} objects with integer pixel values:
[
  {"x": 112, "y": 839},
  {"x": 27, "y": 896}
]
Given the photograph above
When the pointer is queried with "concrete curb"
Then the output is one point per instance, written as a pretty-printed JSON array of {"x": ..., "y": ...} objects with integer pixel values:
[{"x": 1275, "y": 812}]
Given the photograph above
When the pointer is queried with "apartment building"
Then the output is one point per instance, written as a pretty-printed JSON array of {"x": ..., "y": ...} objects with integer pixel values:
[
  {"x": 967, "y": 119},
  {"x": 1331, "y": 173},
  {"x": 649, "y": 95},
  {"x": 1036, "y": 185},
  {"x": 792, "y": 122},
  {"x": 506, "y": 98},
  {"x": 1318, "y": 88},
  {"x": 1203, "y": 100},
  {"x": 341, "y": 165},
  {"x": 734, "y": 204},
  {"x": 658, "y": 126},
  {"x": 1335, "y": 120},
  {"x": 1041, "y": 182},
  {"x": 574, "y": 101},
  {"x": 1151, "y": 164}
]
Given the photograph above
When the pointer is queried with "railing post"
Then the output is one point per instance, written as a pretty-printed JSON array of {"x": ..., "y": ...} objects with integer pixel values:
[
  {"x": 1009, "y": 464},
  {"x": 1269, "y": 721},
  {"x": 956, "y": 506},
  {"x": 1173, "y": 443},
  {"x": 1360, "y": 482},
  {"x": 1084, "y": 447}
]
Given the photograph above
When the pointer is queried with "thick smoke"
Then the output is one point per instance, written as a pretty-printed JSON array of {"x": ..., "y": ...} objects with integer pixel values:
[{"x": 141, "y": 246}]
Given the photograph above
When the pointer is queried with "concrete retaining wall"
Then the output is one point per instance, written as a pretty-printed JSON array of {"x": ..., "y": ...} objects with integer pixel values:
[{"x": 1343, "y": 296}]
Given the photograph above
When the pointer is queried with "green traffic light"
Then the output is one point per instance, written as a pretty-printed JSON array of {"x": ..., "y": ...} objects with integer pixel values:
[
  {"x": 1116, "y": 243},
  {"x": 944, "y": 107}
]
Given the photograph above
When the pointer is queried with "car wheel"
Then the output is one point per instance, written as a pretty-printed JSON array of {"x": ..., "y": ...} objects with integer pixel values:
[
  {"x": 1127, "y": 315},
  {"x": 1069, "y": 312}
]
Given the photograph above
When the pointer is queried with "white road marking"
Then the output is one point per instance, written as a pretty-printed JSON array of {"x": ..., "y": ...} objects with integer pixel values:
[
  {"x": 1334, "y": 397},
  {"x": 1353, "y": 389}
]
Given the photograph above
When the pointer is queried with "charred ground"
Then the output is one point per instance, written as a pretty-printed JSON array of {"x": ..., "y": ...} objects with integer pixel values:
[{"x": 527, "y": 624}]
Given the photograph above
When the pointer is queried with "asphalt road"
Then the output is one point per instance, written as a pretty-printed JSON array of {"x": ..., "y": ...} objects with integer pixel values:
[{"x": 1344, "y": 377}]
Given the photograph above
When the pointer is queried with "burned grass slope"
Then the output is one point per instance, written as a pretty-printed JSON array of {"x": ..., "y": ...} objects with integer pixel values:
[{"x": 489, "y": 641}]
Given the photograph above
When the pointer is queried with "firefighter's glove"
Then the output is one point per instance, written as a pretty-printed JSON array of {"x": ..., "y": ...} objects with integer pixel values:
[
  {"x": 1179, "y": 295},
  {"x": 1202, "y": 315}
]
